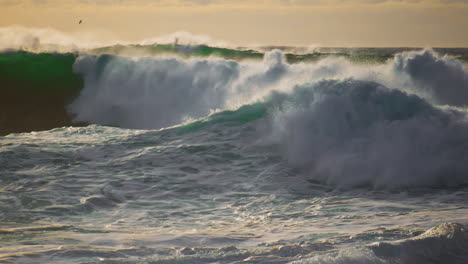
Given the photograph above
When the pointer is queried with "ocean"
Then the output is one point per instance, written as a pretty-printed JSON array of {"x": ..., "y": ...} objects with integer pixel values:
[{"x": 199, "y": 154}]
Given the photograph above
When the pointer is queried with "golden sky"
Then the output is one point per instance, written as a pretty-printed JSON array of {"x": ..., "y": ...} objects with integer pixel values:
[{"x": 343, "y": 23}]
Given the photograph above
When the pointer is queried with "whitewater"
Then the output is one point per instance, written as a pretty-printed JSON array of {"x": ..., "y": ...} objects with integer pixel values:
[{"x": 241, "y": 156}]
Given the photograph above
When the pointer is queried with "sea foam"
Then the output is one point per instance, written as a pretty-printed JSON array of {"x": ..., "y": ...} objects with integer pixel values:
[
  {"x": 343, "y": 124},
  {"x": 352, "y": 133}
]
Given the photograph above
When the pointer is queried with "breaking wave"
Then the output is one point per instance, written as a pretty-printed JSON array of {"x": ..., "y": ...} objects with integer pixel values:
[
  {"x": 335, "y": 120},
  {"x": 443, "y": 78},
  {"x": 343, "y": 124},
  {"x": 359, "y": 133},
  {"x": 398, "y": 124},
  {"x": 156, "y": 92}
]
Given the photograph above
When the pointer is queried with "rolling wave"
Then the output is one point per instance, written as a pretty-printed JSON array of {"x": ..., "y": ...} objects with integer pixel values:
[
  {"x": 341, "y": 123},
  {"x": 398, "y": 124},
  {"x": 359, "y": 133},
  {"x": 156, "y": 92}
]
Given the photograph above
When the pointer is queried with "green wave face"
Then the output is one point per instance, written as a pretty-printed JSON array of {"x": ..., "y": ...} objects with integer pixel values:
[
  {"x": 242, "y": 115},
  {"x": 40, "y": 74},
  {"x": 35, "y": 89}
]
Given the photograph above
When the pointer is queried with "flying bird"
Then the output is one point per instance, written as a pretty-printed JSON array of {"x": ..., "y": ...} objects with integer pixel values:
[{"x": 80, "y": 21}]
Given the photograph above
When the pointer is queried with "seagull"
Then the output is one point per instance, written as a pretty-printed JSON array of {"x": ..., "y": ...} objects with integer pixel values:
[{"x": 80, "y": 21}]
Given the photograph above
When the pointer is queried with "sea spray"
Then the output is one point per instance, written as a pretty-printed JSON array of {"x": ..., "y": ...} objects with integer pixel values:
[
  {"x": 443, "y": 79},
  {"x": 150, "y": 93},
  {"x": 156, "y": 92},
  {"x": 359, "y": 133},
  {"x": 153, "y": 93}
]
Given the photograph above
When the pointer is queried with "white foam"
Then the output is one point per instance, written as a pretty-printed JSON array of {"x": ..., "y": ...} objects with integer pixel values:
[
  {"x": 366, "y": 125},
  {"x": 353, "y": 133}
]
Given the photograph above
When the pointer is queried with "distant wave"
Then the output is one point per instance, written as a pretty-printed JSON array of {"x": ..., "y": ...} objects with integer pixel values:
[{"x": 48, "y": 39}]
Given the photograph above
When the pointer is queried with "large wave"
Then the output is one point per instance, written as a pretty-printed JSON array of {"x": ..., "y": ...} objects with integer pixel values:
[
  {"x": 155, "y": 92},
  {"x": 359, "y": 133},
  {"x": 398, "y": 124},
  {"x": 152, "y": 93}
]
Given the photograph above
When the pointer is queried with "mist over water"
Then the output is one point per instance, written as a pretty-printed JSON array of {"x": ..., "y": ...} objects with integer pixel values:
[
  {"x": 48, "y": 39},
  {"x": 18, "y": 37}
]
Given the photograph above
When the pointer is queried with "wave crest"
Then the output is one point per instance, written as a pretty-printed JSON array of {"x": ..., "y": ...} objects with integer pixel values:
[
  {"x": 443, "y": 78},
  {"x": 150, "y": 93},
  {"x": 346, "y": 125},
  {"x": 353, "y": 133}
]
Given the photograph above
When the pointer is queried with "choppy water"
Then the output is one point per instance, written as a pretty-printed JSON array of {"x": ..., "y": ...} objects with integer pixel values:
[
  {"x": 324, "y": 162},
  {"x": 110, "y": 195}
]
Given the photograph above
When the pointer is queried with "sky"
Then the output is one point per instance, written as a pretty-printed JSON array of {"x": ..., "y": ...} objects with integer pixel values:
[{"x": 333, "y": 23}]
